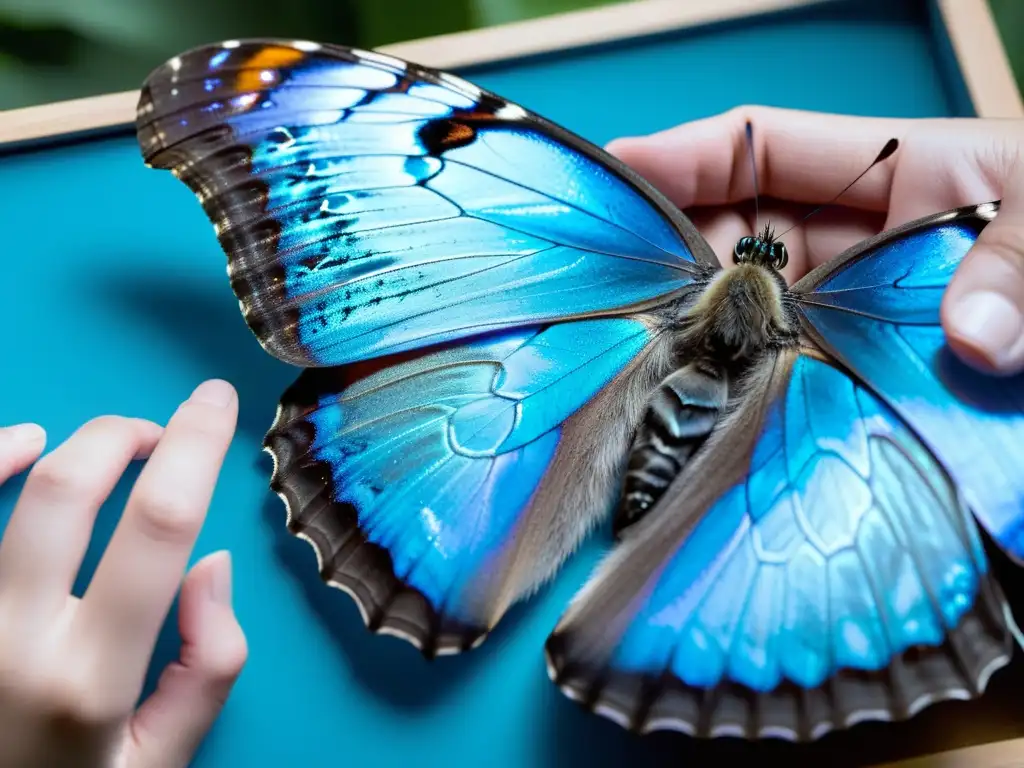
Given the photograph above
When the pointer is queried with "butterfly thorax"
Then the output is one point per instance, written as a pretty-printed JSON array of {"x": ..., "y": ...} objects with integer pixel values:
[{"x": 739, "y": 313}]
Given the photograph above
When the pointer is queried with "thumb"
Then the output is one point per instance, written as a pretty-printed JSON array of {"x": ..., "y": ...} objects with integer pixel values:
[
  {"x": 983, "y": 309},
  {"x": 170, "y": 724}
]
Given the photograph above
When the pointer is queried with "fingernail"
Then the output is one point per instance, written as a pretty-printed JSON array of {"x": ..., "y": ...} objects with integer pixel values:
[
  {"x": 991, "y": 323},
  {"x": 214, "y": 392},
  {"x": 617, "y": 144},
  {"x": 24, "y": 435},
  {"x": 220, "y": 578}
]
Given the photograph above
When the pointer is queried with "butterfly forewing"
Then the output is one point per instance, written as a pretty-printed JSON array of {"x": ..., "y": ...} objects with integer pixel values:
[
  {"x": 369, "y": 206},
  {"x": 877, "y": 309}
]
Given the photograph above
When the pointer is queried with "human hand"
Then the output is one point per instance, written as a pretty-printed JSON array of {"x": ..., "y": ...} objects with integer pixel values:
[
  {"x": 805, "y": 158},
  {"x": 71, "y": 670}
]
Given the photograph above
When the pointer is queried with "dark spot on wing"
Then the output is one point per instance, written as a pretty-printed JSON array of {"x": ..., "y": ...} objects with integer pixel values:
[{"x": 438, "y": 136}]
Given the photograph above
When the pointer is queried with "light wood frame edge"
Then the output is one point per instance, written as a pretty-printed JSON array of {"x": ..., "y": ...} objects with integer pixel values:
[
  {"x": 633, "y": 18},
  {"x": 981, "y": 57},
  {"x": 996, "y": 754},
  {"x": 972, "y": 31},
  {"x": 969, "y": 24}
]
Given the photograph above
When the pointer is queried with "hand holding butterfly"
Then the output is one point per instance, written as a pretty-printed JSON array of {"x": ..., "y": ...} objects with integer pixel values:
[
  {"x": 806, "y": 158},
  {"x": 71, "y": 670}
]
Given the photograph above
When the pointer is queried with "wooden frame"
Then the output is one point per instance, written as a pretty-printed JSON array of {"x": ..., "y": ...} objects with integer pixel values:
[
  {"x": 997, "y": 754},
  {"x": 972, "y": 31},
  {"x": 969, "y": 24}
]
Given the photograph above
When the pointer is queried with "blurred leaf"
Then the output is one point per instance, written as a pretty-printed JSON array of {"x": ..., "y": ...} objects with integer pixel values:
[
  {"x": 161, "y": 23},
  {"x": 47, "y": 45},
  {"x": 489, "y": 12},
  {"x": 62, "y": 49},
  {"x": 382, "y": 22},
  {"x": 96, "y": 19},
  {"x": 111, "y": 45},
  {"x": 1009, "y": 16}
]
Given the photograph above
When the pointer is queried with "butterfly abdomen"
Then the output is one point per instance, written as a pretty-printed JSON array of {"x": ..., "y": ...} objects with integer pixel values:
[
  {"x": 739, "y": 314},
  {"x": 680, "y": 415}
]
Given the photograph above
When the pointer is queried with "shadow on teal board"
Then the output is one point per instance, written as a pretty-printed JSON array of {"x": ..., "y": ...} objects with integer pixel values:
[{"x": 119, "y": 303}]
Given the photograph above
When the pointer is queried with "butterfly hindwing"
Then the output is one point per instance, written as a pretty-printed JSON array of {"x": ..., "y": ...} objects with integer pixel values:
[
  {"x": 439, "y": 489},
  {"x": 813, "y": 567},
  {"x": 369, "y": 206},
  {"x": 877, "y": 310}
]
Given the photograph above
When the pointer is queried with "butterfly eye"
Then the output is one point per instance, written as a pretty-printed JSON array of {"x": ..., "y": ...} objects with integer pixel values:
[
  {"x": 781, "y": 256},
  {"x": 740, "y": 249}
]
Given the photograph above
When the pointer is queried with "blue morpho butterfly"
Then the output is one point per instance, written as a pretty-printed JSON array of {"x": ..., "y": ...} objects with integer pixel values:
[{"x": 507, "y": 334}]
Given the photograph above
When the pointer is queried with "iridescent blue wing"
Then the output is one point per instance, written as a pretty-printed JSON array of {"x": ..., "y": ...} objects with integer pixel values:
[
  {"x": 813, "y": 567},
  {"x": 877, "y": 310},
  {"x": 369, "y": 206},
  {"x": 440, "y": 488}
]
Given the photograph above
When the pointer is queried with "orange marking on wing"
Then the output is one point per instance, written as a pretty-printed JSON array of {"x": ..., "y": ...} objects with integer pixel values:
[
  {"x": 271, "y": 57},
  {"x": 458, "y": 134}
]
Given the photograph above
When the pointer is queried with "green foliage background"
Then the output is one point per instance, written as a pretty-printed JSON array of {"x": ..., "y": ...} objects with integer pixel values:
[
  {"x": 62, "y": 49},
  {"x": 1010, "y": 18}
]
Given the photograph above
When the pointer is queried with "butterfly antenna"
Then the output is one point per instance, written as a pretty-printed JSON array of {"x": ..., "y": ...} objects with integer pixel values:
[
  {"x": 887, "y": 151},
  {"x": 753, "y": 169}
]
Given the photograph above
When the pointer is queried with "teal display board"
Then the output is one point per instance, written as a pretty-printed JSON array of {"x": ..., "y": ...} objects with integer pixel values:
[{"x": 116, "y": 301}]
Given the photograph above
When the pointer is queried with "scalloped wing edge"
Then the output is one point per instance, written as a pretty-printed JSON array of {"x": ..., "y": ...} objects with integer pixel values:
[
  {"x": 376, "y": 617},
  {"x": 990, "y": 615},
  {"x": 593, "y": 696}
]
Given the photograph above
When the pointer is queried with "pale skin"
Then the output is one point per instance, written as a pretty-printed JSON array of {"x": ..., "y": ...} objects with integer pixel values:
[
  {"x": 71, "y": 670},
  {"x": 806, "y": 158}
]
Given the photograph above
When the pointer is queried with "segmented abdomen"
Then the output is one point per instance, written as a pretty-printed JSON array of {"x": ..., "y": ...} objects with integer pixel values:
[{"x": 681, "y": 414}]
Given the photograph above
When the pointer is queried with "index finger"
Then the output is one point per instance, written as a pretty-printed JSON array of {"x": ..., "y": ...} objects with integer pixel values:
[
  {"x": 802, "y": 157},
  {"x": 134, "y": 585}
]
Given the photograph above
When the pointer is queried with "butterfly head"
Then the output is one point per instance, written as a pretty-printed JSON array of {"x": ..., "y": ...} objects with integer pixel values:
[{"x": 762, "y": 249}]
